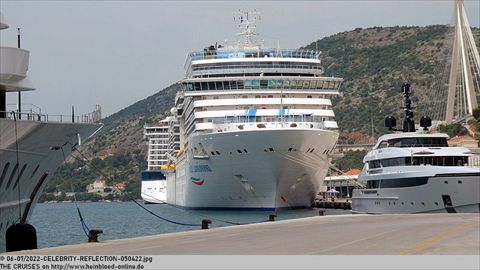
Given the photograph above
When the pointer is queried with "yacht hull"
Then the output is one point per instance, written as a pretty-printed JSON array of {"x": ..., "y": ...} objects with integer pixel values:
[
  {"x": 260, "y": 169},
  {"x": 456, "y": 193},
  {"x": 42, "y": 147}
]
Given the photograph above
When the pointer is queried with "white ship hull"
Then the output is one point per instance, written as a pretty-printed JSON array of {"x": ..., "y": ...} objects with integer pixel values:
[
  {"x": 154, "y": 191},
  {"x": 39, "y": 155},
  {"x": 259, "y": 169},
  {"x": 453, "y": 193}
]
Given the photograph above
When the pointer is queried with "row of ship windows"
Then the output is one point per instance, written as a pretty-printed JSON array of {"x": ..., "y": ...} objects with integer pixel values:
[
  {"x": 413, "y": 161},
  {"x": 159, "y": 162},
  {"x": 159, "y": 147},
  {"x": 273, "y": 106},
  {"x": 261, "y": 84},
  {"x": 266, "y": 150},
  {"x": 212, "y": 53},
  {"x": 257, "y": 65},
  {"x": 158, "y": 136},
  {"x": 271, "y": 96},
  {"x": 149, "y": 130},
  {"x": 401, "y": 182},
  {"x": 403, "y": 203},
  {"x": 255, "y": 119},
  {"x": 158, "y": 153}
]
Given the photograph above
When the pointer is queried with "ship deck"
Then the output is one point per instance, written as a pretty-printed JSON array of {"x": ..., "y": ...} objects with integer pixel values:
[{"x": 399, "y": 234}]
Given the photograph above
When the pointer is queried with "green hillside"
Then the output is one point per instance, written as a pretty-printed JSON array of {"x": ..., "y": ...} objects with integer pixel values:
[{"x": 374, "y": 62}]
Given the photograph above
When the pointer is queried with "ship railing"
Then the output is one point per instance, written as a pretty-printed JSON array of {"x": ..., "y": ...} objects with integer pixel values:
[
  {"x": 290, "y": 66},
  {"x": 474, "y": 161},
  {"x": 93, "y": 117},
  {"x": 277, "y": 53}
]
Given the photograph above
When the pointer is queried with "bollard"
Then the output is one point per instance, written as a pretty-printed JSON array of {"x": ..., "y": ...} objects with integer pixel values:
[
  {"x": 21, "y": 236},
  {"x": 321, "y": 212},
  {"x": 93, "y": 235},
  {"x": 205, "y": 223},
  {"x": 272, "y": 217}
]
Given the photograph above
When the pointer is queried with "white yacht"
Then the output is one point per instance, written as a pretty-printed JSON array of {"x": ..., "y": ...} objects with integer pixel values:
[
  {"x": 255, "y": 126},
  {"x": 32, "y": 145},
  {"x": 416, "y": 172}
]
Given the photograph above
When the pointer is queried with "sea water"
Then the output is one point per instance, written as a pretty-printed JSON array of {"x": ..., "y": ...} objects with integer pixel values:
[{"x": 59, "y": 223}]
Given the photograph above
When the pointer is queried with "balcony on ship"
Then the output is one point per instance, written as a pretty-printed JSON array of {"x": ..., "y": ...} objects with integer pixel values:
[{"x": 13, "y": 69}]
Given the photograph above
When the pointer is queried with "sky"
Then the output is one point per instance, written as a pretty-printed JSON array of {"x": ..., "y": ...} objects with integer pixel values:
[{"x": 115, "y": 53}]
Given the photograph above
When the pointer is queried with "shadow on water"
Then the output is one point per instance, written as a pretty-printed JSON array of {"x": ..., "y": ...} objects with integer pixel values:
[{"x": 59, "y": 224}]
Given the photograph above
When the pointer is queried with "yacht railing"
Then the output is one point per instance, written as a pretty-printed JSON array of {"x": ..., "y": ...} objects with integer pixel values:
[
  {"x": 93, "y": 117},
  {"x": 474, "y": 161},
  {"x": 414, "y": 145}
]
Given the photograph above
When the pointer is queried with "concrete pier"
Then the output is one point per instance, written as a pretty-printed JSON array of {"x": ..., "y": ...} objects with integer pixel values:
[{"x": 435, "y": 234}]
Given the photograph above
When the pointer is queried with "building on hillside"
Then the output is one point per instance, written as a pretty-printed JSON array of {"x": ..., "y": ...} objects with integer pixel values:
[
  {"x": 118, "y": 187},
  {"x": 98, "y": 186}
]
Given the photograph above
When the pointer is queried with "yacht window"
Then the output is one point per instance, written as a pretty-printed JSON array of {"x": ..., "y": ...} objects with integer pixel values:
[
  {"x": 383, "y": 144},
  {"x": 418, "y": 142},
  {"x": 403, "y": 182},
  {"x": 441, "y": 161},
  {"x": 391, "y": 162},
  {"x": 373, "y": 184},
  {"x": 374, "y": 164}
]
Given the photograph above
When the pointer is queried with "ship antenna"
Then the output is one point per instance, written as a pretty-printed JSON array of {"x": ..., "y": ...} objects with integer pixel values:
[
  {"x": 408, "y": 122},
  {"x": 247, "y": 26}
]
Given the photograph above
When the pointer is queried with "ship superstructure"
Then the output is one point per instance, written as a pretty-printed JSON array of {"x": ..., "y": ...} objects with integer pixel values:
[
  {"x": 32, "y": 145},
  {"x": 162, "y": 143},
  {"x": 256, "y": 126}
]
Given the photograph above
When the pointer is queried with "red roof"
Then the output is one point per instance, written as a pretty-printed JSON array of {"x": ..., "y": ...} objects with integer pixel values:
[
  {"x": 120, "y": 184},
  {"x": 353, "y": 172}
]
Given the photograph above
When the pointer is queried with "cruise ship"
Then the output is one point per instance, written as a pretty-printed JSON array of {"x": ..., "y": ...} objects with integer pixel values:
[
  {"x": 255, "y": 126},
  {"x": 154, "y": 183},
  {"x": 32, "y": 145},
  {"x": 417, "y": 172}
]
